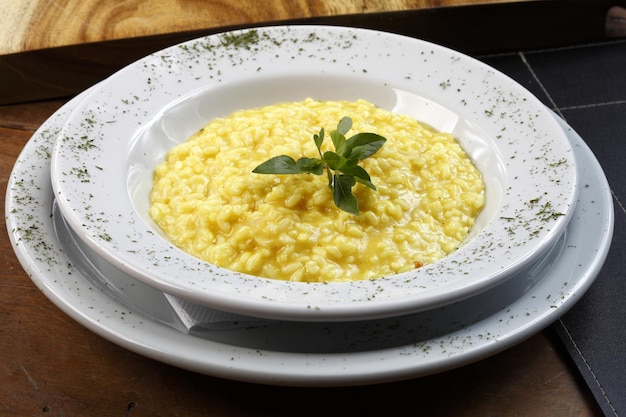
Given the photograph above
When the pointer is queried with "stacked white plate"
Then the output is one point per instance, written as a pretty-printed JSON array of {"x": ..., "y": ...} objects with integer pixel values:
[{"x": 77, "y": 206}]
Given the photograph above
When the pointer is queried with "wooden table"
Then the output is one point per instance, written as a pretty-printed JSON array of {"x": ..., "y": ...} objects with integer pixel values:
[
  {"x": 52, "y": 49},
  {"x": 52, "y": 366}
]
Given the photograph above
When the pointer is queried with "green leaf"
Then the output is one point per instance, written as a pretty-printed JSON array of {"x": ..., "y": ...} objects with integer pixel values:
[
  {"x": 342, "y": 193},
  {"x": 360, "y": 175},
  {"x": 333, "y": 160},
  {"x": 310, "y": 165},
  {"x": 363, "y": 145},
  {"x": 344, "y": 125},
  {"x": 341, "y": 166},
  {"x": 339, "y": 141},
  {"x": 338, "y": 135},
  {"x": 282, "y": 164},
  {"x": 365, "y": 182},
  {"x": 319, "y": 139}
]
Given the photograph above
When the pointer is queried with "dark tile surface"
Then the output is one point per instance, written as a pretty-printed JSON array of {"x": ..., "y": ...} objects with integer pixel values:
[
  {"x": 604, "y": 129},
  {"x": 582, "y": 76},
  {"x": 586, "y": 85}
]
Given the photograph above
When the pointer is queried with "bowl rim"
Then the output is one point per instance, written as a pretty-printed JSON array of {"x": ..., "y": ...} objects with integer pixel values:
[{"x": 515, "y": 120}]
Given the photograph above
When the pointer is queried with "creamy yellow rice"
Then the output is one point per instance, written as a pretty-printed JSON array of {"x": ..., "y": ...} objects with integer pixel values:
[{"x": 207, "y": 201}]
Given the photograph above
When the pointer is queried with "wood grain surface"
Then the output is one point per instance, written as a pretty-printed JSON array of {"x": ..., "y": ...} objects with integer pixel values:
[
  {"x": 61, "y": 47},
  {"x": 37, "y": 24},
  {"x": 52, "y": 366}
]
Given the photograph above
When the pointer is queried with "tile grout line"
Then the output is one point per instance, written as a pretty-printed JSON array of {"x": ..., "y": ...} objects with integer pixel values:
[
  {"x": 592, "y": 105},
  {"x": 586, "y": 45},
  {"x": 619, "y": 203},
  {"x": 543, "y": 88},
  {"x": 554, "y": 49}
]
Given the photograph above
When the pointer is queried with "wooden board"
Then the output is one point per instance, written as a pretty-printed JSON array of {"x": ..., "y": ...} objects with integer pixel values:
[
  {"x": 37, "y": 24},
  {"x": 61, "y": 47}
]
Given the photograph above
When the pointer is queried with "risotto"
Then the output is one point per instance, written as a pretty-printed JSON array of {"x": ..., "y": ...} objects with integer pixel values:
[{"x": 207, "y": 201}]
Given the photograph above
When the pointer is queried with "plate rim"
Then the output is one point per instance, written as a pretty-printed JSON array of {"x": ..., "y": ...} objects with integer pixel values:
[{"x": 261, "y": 367}]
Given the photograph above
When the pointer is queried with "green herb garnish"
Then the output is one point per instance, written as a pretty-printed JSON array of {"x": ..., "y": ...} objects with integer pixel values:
[{"x": 341, "y": 165}]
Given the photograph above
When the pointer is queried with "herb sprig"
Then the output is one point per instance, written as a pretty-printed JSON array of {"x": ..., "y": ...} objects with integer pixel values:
[{"x": 341, "y": 166}]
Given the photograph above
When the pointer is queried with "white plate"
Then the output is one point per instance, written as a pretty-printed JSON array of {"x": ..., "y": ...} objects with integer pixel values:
[
  {"x": 102, "y": 165},
  {"x": 346, "y": 353}
]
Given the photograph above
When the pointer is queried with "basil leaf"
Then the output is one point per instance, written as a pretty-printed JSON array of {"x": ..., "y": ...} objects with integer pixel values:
[
  {"x": 339, "y": 141},
  {"x": 282, "y": 164},
  {"x": 310, "y": 165},
  {"x": 342, "y": 193},
  {"x": 344, "y": 125},
  {"x": 365, "y": 182},
  {"x": 343, "y": 163},
  {"x": 334, "y": 161},
  {"x": 360, "y": 175},
  {"x": 363, "y": 145},
  {"x": 319, "y": 139}
]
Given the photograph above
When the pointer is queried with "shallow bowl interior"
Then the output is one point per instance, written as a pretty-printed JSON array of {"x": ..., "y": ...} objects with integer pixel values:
[{"x": 101, "y": 166}]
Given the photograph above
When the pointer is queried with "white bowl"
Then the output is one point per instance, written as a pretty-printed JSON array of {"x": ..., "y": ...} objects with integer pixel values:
[{"x": 103, "y": 163}]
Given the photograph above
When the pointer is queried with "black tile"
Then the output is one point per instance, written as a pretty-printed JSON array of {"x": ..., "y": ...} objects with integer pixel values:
[
  {"x": 583, "y": 75},
  {"x": 603, "y": 128}
]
